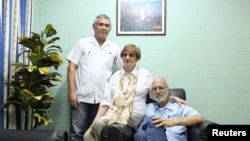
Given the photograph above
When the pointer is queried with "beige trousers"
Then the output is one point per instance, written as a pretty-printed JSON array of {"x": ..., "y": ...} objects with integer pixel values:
[{"x": 99, "y": 124}]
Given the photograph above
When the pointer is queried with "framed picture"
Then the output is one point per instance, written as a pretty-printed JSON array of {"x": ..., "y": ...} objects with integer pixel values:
[{"x": 141, "y": 17}]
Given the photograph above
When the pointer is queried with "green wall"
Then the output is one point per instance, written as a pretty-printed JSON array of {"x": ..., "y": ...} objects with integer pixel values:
[{"x": 205, "y": 51}]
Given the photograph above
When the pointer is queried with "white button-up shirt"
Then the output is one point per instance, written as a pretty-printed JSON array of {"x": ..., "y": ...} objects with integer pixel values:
[
  {"x": 94, "y": 67},
  {"x": 143, "y": 85}
]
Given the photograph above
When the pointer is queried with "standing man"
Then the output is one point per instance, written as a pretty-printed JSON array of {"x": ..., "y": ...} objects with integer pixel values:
[{"x": 91, "y": 62}]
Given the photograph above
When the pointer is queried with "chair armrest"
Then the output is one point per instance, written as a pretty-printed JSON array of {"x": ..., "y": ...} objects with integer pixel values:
[
  {"x": 204, "y": 129},
  {"x": 199, "y": 132},
  {"x": 117, "y": 132}
]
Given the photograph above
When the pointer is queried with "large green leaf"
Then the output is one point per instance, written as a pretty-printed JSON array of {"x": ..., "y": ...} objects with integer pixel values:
[
  {"x": 49, "y": 30},
  {"x": 42, "y": 117}
]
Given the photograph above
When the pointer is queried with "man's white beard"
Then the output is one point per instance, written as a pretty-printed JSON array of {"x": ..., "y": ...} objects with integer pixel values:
[{"x": 160, "y": 99}]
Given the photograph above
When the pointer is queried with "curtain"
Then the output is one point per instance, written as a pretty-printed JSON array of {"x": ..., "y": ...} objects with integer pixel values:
[{"x": 15, "y": 21}]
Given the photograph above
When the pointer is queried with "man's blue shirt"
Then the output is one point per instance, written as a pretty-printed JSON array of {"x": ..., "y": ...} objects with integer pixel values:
[{"x": 171, "y": 110}]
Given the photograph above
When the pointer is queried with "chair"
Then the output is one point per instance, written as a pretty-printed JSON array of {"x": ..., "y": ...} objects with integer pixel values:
[{"x": 117, "y": 132}]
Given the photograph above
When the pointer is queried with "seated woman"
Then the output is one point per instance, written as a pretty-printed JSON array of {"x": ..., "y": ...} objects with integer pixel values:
[{"x": 124, "y": 99}]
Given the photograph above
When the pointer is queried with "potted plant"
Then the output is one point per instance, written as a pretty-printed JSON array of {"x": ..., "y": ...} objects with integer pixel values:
[{"x": 32, "y": 80}]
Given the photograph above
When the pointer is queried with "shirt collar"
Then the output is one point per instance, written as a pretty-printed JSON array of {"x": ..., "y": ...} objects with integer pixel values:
[
  {"x": 134, "y": 71},
  {"x": 168, "y": 106},
  {"x": 107, "y": 43}
]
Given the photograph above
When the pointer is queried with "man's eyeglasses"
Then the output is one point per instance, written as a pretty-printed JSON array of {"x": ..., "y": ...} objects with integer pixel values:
[
  {"x": 103, "y": 24},
  {"x": 128, "y": 54}
]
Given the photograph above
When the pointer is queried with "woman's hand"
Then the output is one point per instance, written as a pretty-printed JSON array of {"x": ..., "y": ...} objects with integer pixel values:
[{"x": 178, "y": 100}]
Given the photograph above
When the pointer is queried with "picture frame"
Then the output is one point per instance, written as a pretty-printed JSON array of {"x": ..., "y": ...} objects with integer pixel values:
[{"x": 141, "y": 17}]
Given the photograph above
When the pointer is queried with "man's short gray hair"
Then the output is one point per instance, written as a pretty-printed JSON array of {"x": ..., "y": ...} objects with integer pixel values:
[{"x": 101, "y": 16}]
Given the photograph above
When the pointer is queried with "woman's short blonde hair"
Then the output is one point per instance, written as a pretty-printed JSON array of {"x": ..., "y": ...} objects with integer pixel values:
[{"x": 131, "y": 48}]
